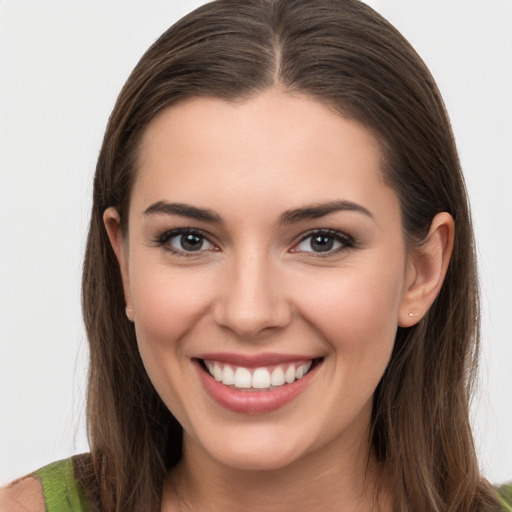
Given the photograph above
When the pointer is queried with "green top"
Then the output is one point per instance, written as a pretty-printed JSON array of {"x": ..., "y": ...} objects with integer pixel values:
[
  {"x": 505, "y": 497},
  {"x": 62, "y": 493}
]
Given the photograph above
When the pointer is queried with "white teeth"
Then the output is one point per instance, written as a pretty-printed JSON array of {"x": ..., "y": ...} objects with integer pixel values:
[
  {"x": 242, "y": 378},
  {"x": 260, "y": 378},
  {"x": 289, "y": 374},
  {"x": 228, "y": 376},
  {"x": 217, "y": 372},
  {"x": 302, "y": 370},
  {"x": 277, "y": 376}
]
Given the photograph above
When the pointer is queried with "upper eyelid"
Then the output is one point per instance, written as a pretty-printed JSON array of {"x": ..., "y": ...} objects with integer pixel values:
[
  {"x": 340, "y": 235},
  {"x": 330, "y": 231},
  {"x": 167, "y": 234}
]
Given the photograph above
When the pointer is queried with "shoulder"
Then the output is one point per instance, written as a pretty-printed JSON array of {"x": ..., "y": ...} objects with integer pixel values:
[
  {"x": 53, "y": 488},
  {"x": 23, "y": 495}
]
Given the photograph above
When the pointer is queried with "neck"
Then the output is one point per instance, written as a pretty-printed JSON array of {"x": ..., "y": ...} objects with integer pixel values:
[{"x": 347, "y": 482}]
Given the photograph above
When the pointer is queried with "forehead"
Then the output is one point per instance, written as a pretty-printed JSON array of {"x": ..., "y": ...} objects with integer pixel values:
[{"x": 274, "y": 145}]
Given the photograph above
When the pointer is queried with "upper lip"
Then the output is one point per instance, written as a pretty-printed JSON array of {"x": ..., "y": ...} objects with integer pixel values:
[{"x": 254, "y": 360}]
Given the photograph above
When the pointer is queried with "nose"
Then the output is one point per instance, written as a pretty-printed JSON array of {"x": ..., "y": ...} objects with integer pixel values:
[{"x": 251, "y": 300}]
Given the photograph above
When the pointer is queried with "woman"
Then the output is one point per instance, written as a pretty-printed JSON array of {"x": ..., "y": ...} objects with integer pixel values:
[{"x": 279, "y": 284}]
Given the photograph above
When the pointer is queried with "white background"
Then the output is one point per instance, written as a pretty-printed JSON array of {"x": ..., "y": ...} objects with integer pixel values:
[{"x": 62, "y": 64}]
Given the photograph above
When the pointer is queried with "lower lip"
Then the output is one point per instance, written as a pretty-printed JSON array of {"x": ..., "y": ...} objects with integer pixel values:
[{"x": 253, "y": 402}]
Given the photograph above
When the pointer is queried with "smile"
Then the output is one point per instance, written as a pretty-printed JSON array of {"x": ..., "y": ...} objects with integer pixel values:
[
  {"x": 257, "y": 384},
  {"x": 263, "y": 378}
]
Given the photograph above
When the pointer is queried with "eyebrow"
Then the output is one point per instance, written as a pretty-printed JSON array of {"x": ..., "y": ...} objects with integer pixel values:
[
  {"x": 183, "y": 210},
  {"x": 316, "y": 211}
]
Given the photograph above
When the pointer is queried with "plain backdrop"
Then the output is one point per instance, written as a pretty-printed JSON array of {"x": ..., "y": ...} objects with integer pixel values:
[{"x": 62, "y": 64}]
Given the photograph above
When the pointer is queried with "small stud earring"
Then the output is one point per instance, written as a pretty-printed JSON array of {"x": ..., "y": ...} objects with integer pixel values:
[{"x": 414, "y": 314}]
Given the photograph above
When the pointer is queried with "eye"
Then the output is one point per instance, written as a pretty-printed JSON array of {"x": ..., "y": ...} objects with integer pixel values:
[
  {"x": 183, "y": 241},
  {"x": 324, "y": 241}
]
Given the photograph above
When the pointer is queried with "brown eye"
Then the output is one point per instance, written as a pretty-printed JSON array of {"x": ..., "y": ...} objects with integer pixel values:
[
  {"x": 321, "y": 243},
  {"x": 185, "y": 241},
  {"x": 190, "y": 242},
  {"x": 324, "y": 242}
]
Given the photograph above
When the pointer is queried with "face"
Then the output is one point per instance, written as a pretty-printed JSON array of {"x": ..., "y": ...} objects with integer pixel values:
[{"x": 265, "y": 271}]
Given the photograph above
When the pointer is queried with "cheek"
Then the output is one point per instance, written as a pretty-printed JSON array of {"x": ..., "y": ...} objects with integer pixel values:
[
  {"x": 167, "y": 303},
  {"x": 355, "y": 309}
]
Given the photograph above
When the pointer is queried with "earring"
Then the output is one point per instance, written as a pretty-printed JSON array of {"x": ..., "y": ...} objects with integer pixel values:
[
  {"x": 414, "y": 314},
  {"x": 129, "y": 313}
]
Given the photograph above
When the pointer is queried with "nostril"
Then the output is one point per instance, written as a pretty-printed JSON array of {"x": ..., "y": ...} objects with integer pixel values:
[{"x": 252, "y": 319}]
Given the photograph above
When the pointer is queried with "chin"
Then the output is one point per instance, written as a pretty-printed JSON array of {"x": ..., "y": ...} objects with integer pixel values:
[
  {"x": 253, "y": 450},
  {"x": 257, "y": 460}
]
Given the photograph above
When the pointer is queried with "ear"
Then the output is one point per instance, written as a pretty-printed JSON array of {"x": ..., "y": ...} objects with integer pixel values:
[
  {"x": 112, "y": 222},
  {"x": 427, "y": 266}
]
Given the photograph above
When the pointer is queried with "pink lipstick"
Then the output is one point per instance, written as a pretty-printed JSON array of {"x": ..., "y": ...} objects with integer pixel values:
[{"x": 255, "y": 384}]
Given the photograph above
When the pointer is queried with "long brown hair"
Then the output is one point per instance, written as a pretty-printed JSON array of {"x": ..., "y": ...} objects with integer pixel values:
[{"x": 343, "y": 54}]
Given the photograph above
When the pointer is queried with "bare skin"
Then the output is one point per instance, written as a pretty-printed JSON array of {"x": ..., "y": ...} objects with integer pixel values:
[
  {"x": 342, "y": 488},
  {"x": 23, "y": 495}
]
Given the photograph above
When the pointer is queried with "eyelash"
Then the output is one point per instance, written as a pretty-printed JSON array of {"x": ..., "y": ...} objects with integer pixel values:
[
  {"x": 164, "y": 238},
  {"x": 346, "y": 242}
]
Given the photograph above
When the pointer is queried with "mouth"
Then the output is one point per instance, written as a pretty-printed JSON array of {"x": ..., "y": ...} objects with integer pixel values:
[
  {"x": 255, "y": 385},
  {"x": 263, "y": 378}
]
